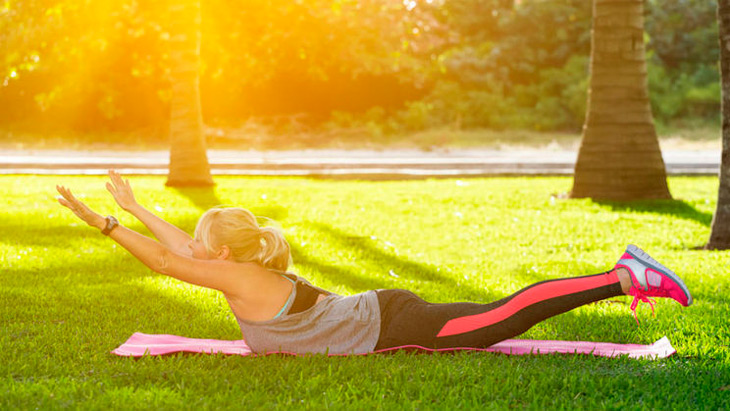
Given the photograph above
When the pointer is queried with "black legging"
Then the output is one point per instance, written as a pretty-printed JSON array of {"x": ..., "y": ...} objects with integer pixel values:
[{"x": 406, "y": 319}]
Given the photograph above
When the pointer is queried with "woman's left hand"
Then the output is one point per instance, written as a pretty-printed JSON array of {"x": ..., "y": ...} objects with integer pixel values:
[{"x": 81, "y": 210}]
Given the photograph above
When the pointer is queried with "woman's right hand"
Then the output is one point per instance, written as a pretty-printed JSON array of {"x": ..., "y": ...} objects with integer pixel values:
[{"x": 121, "y": 190}]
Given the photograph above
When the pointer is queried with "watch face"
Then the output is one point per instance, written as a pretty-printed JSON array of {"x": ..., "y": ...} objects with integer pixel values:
[{"x": 111, "y": 222}]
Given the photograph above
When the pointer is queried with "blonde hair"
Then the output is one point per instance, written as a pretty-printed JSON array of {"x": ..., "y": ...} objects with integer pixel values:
[{"x": 238, "y": 229}]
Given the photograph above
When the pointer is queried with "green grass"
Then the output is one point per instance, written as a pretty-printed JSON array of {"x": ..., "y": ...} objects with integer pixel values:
[{"x": 69, "y": 296}]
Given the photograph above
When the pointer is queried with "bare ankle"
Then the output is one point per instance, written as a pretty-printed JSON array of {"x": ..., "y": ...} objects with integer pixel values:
[{"x": 625, "y": 279}]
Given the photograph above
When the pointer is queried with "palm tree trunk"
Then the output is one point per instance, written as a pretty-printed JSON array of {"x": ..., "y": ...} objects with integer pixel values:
[
  {"x": 720, "y": 234},
  {"x": 188, "y": 159},
  {"x": 619, "y": 156}
]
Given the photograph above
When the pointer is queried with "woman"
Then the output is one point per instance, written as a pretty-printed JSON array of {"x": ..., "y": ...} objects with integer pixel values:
[{"x": 279, "y": 311}]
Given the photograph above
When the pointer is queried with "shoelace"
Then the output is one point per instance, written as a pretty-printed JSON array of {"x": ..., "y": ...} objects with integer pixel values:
[{"x": 640, "y": 296}]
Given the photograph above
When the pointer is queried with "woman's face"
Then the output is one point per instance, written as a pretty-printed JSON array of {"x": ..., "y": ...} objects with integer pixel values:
[{"x": 198, "y": 249}]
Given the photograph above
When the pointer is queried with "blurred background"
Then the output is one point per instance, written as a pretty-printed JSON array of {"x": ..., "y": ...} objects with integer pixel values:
[{"x": 339, "y": 73}]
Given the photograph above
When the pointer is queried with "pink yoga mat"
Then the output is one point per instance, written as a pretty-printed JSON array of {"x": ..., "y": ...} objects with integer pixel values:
[{"x": 140, "y": 344}]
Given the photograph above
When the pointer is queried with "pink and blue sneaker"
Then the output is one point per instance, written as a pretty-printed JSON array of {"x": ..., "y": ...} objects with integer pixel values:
[{"x": 651, "y": 279}]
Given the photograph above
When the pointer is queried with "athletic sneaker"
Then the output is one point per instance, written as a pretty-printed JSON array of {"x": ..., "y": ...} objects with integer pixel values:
[{"x": 651, "y": 279}]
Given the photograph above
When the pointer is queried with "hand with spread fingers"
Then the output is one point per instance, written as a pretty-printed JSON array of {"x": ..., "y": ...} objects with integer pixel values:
[
  {"x": 121, "y": 190},
  {"x": 81, "y": 210}
]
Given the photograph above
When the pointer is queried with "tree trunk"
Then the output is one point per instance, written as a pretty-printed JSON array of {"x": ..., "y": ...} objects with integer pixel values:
[
  {"x": 720, "y": 234},
  {"x": 188, "y": 159},
  {"x": 619, "y": 156}
]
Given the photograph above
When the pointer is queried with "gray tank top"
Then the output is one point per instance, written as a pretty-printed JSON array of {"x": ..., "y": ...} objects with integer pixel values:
[{"x": 336, "y": 325}]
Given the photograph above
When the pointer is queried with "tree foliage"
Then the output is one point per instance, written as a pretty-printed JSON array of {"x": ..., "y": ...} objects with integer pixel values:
[{"x": 85, "y": 65}]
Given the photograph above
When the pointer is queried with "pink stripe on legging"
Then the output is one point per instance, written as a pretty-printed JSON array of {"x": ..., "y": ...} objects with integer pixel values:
[{"x": 540, "y": 292}]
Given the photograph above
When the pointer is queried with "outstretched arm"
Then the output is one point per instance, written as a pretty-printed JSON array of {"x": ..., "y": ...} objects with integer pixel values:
[
  {"x": 220, "y": 275},
  {"x": 147, "y": 250},
  {"x": 169, "y": 235}
]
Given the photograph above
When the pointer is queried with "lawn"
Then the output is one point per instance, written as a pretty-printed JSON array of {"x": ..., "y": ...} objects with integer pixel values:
[{"x": 70, "y": 295}]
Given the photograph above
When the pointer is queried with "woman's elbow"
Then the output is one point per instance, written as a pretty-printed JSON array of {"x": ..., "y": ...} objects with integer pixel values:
[{"x": 161, "y": 262}]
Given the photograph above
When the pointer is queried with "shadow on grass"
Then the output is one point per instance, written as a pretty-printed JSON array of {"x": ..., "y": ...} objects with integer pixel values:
[
  {"x": 367, "y": 249},
  {"x": 674, "y": 208},
  {"x": 203, "y": 198},
  {"x": 341, "y": 275},
  {"x": 15, "y": 233},
  {"x": 78, "y": 271}
]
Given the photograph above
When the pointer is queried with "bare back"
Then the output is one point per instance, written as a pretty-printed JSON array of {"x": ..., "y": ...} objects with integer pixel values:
[{"x": 260, "y": 295}]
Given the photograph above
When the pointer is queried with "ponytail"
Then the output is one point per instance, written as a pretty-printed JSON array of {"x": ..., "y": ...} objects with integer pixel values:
[{"x": 275, "y": 251}]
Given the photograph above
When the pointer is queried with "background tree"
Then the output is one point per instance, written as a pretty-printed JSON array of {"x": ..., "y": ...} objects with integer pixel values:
[
  {"x": 188, "y": 159},
  {"x": 619, "y": 156},
  {"x": 682, "y": 56},
  {"x": 101, "y": 70},
  {"x": 720, "y": 234}
]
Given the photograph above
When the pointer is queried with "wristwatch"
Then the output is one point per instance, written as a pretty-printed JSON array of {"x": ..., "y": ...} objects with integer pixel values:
[{"x": 111, "y": 223}]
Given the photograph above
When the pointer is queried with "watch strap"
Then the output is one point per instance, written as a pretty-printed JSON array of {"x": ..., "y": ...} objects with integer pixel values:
[{"x": 111, "y": 223}]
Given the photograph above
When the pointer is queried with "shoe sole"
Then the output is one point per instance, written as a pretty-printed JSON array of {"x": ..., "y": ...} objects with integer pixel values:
[{"x": 645, "y": 258}]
